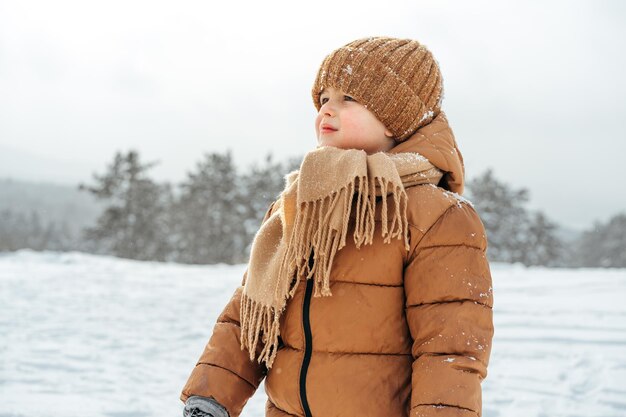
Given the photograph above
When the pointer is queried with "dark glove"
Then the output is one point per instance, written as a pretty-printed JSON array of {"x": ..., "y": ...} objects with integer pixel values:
[{"x": 197, "y": 406}]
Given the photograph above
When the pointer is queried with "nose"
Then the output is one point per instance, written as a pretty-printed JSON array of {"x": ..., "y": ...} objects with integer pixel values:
[{"x": 327, "y": 109}]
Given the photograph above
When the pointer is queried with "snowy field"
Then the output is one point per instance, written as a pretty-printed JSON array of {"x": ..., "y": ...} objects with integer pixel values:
[{"x": 84, "y": 335}]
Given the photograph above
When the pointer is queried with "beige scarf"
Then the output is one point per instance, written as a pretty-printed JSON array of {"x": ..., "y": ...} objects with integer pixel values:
[{"x": 311, "y": 217}]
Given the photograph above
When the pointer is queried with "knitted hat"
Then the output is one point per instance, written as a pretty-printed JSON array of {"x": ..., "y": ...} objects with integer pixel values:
[{"x": 396, "y": 79}]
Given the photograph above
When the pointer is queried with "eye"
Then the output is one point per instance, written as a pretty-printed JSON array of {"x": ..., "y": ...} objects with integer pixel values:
[
  {"x": 323, "y": 100},
  {"x": 348, "y": 98}
]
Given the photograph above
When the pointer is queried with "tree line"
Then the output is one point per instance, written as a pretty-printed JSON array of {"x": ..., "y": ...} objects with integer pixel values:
[{"x": 212, "y": 215}]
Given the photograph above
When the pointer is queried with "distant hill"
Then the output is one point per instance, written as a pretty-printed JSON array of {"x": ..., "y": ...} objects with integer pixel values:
[
  {"x": 52, "y": 202},
  {"x": 29, "y": 166}
]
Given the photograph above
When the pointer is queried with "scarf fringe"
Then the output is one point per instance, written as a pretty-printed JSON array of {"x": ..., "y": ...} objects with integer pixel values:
[{"x": 257, "y": 319}]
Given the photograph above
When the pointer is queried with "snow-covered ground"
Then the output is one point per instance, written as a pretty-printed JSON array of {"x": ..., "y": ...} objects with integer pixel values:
[{"x": 84, "y": 335}]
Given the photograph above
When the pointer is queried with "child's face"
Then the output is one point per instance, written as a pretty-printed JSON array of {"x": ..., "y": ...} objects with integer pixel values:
[{"x": 344, "y": 123}]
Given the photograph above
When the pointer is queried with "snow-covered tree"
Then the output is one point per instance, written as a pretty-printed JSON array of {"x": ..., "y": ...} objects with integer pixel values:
[
  {"x": 542, "y": 247},
  {"x": 13, "y": 230},
  {"x": 501, "y": 210},
  {"x": 210, "y": 213},
  {"x": 135, "y": 224},
  {"x": 514, "y": 234},
  {"x": 20, "y": 230},
  {"x": 604, "y": 245}
]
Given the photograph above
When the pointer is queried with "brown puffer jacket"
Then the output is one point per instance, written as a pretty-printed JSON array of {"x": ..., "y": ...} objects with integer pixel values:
[{"x": 404, "y": 333}]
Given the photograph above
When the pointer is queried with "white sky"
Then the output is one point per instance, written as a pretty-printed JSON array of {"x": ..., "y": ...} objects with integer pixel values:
[{"x": 533, "y": 89}]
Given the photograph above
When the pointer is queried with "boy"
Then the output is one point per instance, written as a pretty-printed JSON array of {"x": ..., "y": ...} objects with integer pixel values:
[{"x": 394, "y": 314}]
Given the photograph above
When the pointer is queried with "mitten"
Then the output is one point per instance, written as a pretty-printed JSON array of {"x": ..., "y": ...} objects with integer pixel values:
[{"x": 197, "y": 406}]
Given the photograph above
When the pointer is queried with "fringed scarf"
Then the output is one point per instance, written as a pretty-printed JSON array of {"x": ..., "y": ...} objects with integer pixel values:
[{"x": 311, "y": 217}]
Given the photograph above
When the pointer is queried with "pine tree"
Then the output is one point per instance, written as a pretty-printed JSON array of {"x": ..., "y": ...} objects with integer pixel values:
[
  {"x": 19, "y": 230},
  {"x": 135, "y": 223},
  {"x": 58, "y": 237},
  {"x": 501, "y": 211},
  {"x": 261, "y": 186},
  {"x": 210, "y": 213},
  {"x": 604, "y": 245},
  {"x": 542, "y": 247},
  {"x": 12, "y": 231},
  {"x": 35, "y": 232},
  {"x": 514, "y": 235}
]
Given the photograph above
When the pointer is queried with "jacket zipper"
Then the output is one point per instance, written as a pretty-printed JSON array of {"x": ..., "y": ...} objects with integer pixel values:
[{"x": 308, "y": 342}]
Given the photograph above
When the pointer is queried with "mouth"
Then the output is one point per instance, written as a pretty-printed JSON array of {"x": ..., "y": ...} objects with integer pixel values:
[{"x": 327, "y": 129}]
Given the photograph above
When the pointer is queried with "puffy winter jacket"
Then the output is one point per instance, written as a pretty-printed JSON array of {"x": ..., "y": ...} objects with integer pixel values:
[{"x": 404, "y": 333}]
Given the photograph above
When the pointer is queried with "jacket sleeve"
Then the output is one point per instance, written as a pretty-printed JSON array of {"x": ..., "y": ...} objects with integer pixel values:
[
  {"x": 449, "y": 301},
  {"x": 224, "y": 371}
]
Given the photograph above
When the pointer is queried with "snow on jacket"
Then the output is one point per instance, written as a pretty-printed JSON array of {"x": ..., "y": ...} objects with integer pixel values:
[{"x": 404, "y": 333}]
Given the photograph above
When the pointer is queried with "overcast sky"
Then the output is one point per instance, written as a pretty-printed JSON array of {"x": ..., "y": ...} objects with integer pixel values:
[{"x": 533, "y": 89}]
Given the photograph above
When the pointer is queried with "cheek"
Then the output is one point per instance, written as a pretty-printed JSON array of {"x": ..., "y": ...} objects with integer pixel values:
[
  {"x": 356, "y": 125},
  {"x": 318, "y": 120}
]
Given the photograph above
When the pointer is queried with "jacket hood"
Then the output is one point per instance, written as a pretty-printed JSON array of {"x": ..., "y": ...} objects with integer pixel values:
[{"x": 435, "y": 141}]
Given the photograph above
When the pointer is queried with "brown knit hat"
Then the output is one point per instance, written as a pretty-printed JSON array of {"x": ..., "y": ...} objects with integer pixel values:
[{"x": 396, "y": 79}]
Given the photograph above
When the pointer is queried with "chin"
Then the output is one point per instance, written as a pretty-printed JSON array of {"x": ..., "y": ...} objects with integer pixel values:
[{"x": 327, "y": 143}]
